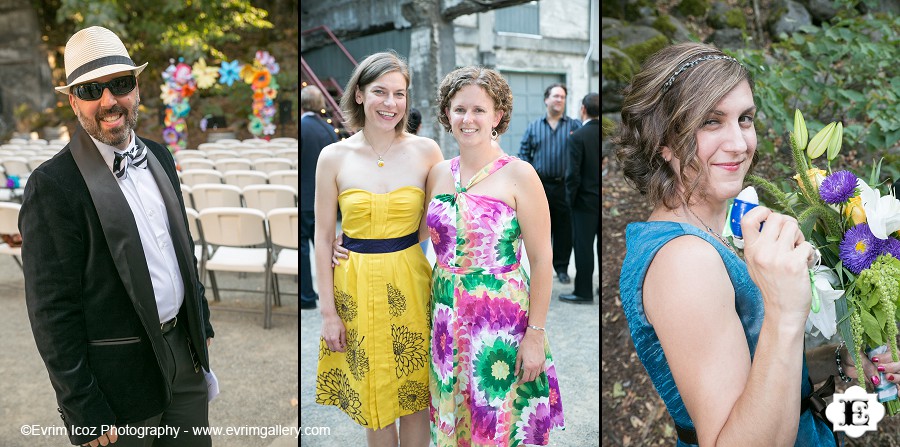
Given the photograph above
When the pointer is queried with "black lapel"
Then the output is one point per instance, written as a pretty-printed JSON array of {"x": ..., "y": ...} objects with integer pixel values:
[{"x": 118, "y": 225}]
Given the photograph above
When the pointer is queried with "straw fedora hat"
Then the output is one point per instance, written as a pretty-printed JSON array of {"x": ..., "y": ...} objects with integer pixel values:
[{"x": 94, "y": 53}]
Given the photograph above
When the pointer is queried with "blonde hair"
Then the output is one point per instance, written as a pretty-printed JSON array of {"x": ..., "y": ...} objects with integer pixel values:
[
  {"x": 654, "y": 116},
  {"x": 493, "y": 84},
  {"x": 311, "y": 99},
  {"x": 370, "y": 69}
]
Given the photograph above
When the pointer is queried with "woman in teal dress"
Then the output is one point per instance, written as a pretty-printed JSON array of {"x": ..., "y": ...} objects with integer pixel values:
[{"x": 721, "y": 339}]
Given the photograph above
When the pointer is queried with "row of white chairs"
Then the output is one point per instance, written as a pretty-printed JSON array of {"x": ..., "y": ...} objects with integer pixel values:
[
  {"x": 21, "y": 166},
  {"x": 260, "y": 197},
  {"x": 252, "y": 154},
  {"x": 238, "y": 164},
  {"x": 226, "y": 239},
  {"x": 38, "y": 142},
  {"x": 246, "y": 240},
  {"x": 241, "y": 178}
]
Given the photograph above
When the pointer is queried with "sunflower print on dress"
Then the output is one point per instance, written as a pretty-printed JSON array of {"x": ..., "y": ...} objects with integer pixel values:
[
  {"x": 334, "y": 389},
  {"x": 357, "y": 360},
  {"x": 409, "y": 350},
  {"x": 345, "y": 305},
  {"x": 396, "y": 301},
  {"x": 413, "y": 395}
]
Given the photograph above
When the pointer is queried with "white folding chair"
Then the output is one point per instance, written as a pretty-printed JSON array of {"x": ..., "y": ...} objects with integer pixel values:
[
  {"x": 17, "y": 166},
  {"x": 214, "y": 195},
  {"x": 196, "y": 163},
  {"x": 232, "y": 232},
  {"x": 192, "y": 177},
  {"x": 189, "y": 153},
  {"x": 268, "y": 197},
  {"x": 284, "y": 230},
  {"x": 254, "y": 154},
  {"x": 224, "y": 165},
  {"x": 228, "y": 141},
  {"x": 221, "y": 154},
  {"x": 289, "y": 140},
  {"x": 242, "y": 179},
  {"x": 37, "y": 160},
  {"x": 9, "y": 224},
  {"x": 58, "y": 142},
  {"x": 193, "y": 217},
  {"x": 21, "y": 141},
  {"x": 289, "y": 177},
  {"x": 291, "y": 154},
  {"x": 186, "y": 191},
  {"x": 271, "y": 164},
  {"x": 206, "y": 147},
  {"x": 254, "y": 141}
]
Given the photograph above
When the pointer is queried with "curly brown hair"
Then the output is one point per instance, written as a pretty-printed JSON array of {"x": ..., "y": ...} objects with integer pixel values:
[
  {"x": 370, "y": 69},
  {"x": 654, "y": 116},
  {"x": 489, "y": 80}
]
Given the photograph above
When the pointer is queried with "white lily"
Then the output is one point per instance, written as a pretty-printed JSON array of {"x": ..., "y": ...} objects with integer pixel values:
[
  {"x": 882, "y": 212},
  {"x": 826, "y": 319}
]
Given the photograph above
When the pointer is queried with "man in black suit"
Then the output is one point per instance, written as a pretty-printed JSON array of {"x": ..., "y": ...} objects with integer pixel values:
[
  {"x": 583, "y": 194},
  {"x": 315, "y": 134},
  {"x": 117, "y": 310}
]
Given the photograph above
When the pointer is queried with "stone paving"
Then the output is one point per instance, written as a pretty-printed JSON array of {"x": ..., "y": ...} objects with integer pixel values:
[
  {"x": 257, "y": 368},
  {"x": 573, "y": 330}
]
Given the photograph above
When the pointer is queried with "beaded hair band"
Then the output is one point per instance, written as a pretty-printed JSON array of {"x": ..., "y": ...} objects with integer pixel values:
[{"x": 690, "y": 64}]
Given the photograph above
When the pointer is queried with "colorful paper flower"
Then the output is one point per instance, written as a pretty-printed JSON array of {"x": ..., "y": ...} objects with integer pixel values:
[
  {"x": 229, "y": 72},
  {"x": 170, "y": 136},
  {"x": 255, "y": 126},
  {"x": 204, "y": 75},
  {"x": 838, "y": 187},
  {"x": 859, "y": 248},
  {"x": 270, "y": 92},
  {"x": 187, "y": 90},
  {"x": 261, "y": 79},
  {"x": 180, "y": 109},
  {"x": 269, "y": 129},
  {"x": 168, "y": 94},
  {"x": 267, "y": 60},
  {"x": 182, "y": 73},
  {"x": 248, "y": 73},
  {"x": 203, "y": 122}
]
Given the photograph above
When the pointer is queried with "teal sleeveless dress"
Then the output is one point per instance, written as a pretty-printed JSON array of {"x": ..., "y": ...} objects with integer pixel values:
[{"x": 643, "y": 240}]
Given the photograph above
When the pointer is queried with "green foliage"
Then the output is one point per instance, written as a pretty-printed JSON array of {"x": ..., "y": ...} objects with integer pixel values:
[
  {"x": 696, "y": 8},
  {"x": 844, "y": 71},
  {"x": 876, "y": 297},
  {"x": 608, "y": 126},
  {"x": 618, "y": 67},
  {"x": 735, "y": 18},
  {"x": 641, "y": 51},
  {"x": 664, "y": 25}
]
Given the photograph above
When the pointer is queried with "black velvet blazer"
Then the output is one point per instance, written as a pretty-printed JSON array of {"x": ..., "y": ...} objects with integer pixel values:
[{"x": 88, "y": 289}]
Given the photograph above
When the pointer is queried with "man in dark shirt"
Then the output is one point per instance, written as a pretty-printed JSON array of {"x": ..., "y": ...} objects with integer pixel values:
[
  {"x": 544, "y": 146},
  {"x": 315, "y": 134},
  {"x": 583, "y": 192}
]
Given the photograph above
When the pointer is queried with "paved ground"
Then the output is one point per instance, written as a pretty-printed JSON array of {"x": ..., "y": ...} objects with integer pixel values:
[
  {"x": 573, "y": 331},
  {"x": 257, "y": 369}
]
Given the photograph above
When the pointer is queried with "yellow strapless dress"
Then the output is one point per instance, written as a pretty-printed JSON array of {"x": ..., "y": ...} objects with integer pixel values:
[{"x": 384, "y": 301}]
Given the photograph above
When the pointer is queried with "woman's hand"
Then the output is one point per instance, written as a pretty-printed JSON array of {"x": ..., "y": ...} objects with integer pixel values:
[
  {"x": 890, "y": 369},
  {"x": 334, "y": 333},
  {"x": 777, "y": 259},
  {"x": 530, "y": 359},
  {"x": 338, "y": 250}
]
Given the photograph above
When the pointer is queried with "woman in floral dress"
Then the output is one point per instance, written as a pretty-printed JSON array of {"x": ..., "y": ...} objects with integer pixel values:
[{"x": 493, "y": 381}]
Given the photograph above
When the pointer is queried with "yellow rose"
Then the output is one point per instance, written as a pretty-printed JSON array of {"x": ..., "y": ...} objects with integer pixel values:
[
  {"x": 816, "y": 176},
  {"x": 854, "y": 210}
]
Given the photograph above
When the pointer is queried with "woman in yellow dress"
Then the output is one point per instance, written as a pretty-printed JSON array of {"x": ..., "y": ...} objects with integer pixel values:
[{"x": 373, "y": 355}]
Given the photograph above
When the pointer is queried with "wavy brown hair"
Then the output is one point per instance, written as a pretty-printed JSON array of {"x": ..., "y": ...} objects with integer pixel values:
[
  {"x": 370, "y": 69},
  {"x": 653, "y": 117},
  {"x": 489, "y": 80}
]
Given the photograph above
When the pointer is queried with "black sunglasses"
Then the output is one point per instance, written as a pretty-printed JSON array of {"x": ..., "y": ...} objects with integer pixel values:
[{"x": 92, "y": 91}]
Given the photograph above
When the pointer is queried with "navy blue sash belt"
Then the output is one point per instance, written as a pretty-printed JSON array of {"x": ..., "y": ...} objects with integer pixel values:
[{"x": 380, "y": 245}]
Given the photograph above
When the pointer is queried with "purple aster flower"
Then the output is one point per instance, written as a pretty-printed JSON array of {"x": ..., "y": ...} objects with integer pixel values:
[
  {"x": 484, "y": 423},
  {"x": 860, "y": 248},
  {"x": 838, "y": 187},
  {"x": 442, "y": 343},
  {"x": 892, "y": 247}
]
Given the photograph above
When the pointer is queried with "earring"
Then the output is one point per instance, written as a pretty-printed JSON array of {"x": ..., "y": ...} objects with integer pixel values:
[{"x": 494, "y": 134}]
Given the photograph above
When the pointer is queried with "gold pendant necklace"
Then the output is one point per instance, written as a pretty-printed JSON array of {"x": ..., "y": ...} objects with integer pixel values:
[
  {"x": 380, "y": 156},
  {"x": 709, "y": 229}
]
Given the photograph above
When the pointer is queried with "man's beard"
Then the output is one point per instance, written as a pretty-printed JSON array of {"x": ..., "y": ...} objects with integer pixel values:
[{"x": 113, "y": 137}]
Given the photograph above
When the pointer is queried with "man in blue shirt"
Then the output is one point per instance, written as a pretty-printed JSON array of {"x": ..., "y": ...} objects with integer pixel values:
[{"x": 544, "y": 146}]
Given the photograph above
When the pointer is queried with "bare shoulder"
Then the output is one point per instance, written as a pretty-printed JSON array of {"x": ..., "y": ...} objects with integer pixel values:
[
  {"x": 687, "y": 253},
  {"x": 686, "y": 275},
  {"x": 427, "y": 147}
]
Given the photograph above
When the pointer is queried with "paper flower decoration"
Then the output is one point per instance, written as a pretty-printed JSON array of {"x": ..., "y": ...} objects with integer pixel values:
[
  {"x": 269, "y": 129},
  {"x": 182, "y": 73},
  {"x": 203, "y": 123},
  {"x": 255, "y": 126},
  {"x": 170, "y": 136},
  {"x": 188, "y": 89},
  {"x": 229, "y": 72},
  {"x": 261, "y": 79},
  {"x": 267, "y": 60},
  {"x": 168, "y": 95},
  {"x": 205, "y": 76},
  {"x": 181, "y": 109}
]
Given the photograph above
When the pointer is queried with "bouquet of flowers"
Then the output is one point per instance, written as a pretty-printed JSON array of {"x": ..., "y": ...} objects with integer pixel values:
[{"x": 856, "y": 285}]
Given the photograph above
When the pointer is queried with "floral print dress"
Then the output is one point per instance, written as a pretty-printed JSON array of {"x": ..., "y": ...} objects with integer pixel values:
[{"x": 480, "y": 296}]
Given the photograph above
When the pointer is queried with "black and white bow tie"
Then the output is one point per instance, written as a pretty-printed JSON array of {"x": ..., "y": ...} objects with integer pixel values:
[{"x": 136, "y": 157}]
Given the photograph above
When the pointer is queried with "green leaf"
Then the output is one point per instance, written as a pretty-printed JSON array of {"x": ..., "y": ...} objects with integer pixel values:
[
  {"x": 871, "y": 328},
  {"x": 617, "y": 390}
]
